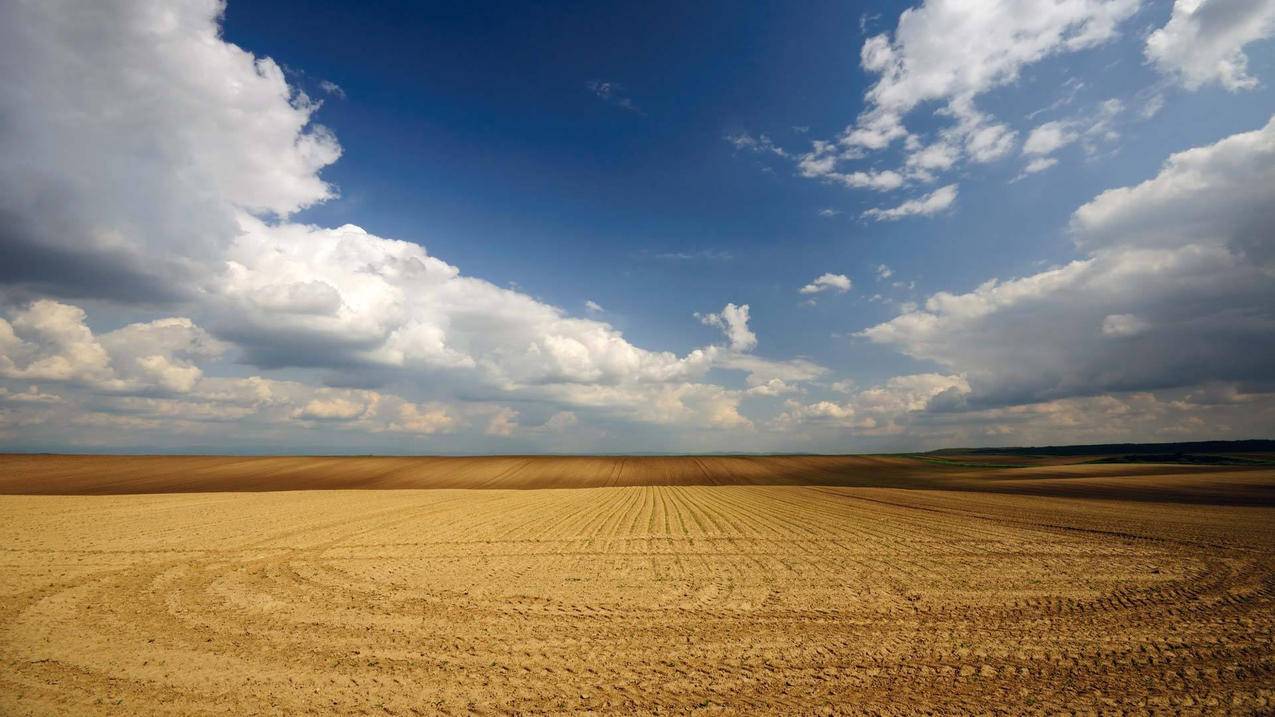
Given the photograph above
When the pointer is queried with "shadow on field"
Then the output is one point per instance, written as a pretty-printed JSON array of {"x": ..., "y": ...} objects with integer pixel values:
[{"x": 1071, "y": 476}]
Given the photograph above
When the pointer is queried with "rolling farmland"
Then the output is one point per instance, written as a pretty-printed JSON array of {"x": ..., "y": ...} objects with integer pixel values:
[{"x": 802, "y": 584}]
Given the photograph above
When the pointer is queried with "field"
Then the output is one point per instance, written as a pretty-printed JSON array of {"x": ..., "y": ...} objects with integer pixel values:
[{"x": 723, "y": 585}]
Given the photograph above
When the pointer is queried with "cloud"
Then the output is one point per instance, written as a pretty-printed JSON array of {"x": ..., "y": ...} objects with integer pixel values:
[
  {"x": 883, "y": 272},
  {"x": 772, "y": 387},
  {"x": 48, "y": 340},
  {"x": 946, "y": 50},
  {"x": 333, "y": 409},
  {"x": 332, "y": 88},
  {"x": 696, "y": 255},
  {"x": 761, "y": 370},
  {"x": 560, "y": 422},
  {"x": 946, "y": 54},
  {"x": 163, "y": 172},
  {"x": 132, "y": 135},
  {"x": 1204, "y": 41},
  {"x": 612, "y": 93},
  {"x": 821, "y": 163},
  {"x": 733, "y": 321},
  {"x": 1048, "y": 138},
  {"x": 930, "y": 411},
  {"x": 878, "y": 410},
  {"x": 839, "y": 283},
  {"x": 593, "y": 307},
  {"x": 932, "y": 203},
  {"x": 397, "y": 307},
  {"x": 502, "y": 423},
  {"x": 1173, "y": 292},
  {"x": 762, "y": 144},
  {"x": 1091, "y": 131},
  {"x": 423, "y": 419},
  {"x": 1039, "y": 164},
  {"x": 1123, "y": 325}
]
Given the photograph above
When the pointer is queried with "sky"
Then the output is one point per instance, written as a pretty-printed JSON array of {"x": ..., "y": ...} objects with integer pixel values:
[{"x": 390, "y": 227}]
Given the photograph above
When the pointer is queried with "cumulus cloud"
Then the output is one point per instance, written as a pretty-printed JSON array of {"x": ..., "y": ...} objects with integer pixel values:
[
  {"x": 48, "y": 340},
  {"x": 946, "y": 50},
  {"x": 879, "y": 410},
  {"x": 733, "y": 321},
  {"x": 396, "y": 306},
  {"x": 131, "y": 136},
  {"x": 1174, "y": 291},
  {"x": 898, "y": 416},
  {"x": 932, "y": 203},
  {"x": 839, "y": 283},
  {"x": 1204, "y": 41},
  {"x": 149, "y": 162},
  {"x": 950, "y": 53}
]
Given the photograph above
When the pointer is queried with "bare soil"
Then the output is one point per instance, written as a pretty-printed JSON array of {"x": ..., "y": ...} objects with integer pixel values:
[{"x": 813, "y": 585}]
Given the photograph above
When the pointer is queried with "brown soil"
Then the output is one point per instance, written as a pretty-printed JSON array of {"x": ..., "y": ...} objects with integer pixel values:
[
  {"x": 26, "y": 474},
  {"x": 928, "y": 589}
]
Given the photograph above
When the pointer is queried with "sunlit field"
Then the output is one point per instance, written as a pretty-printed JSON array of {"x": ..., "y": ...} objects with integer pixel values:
[{"x": 880, "y": 585}]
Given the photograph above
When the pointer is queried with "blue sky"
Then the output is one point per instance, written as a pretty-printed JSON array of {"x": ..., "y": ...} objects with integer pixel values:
[{"x": 609, "y": 185}]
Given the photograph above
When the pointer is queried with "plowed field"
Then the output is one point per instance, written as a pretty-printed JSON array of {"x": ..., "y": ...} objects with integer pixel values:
[{"x": 738, "y": 599}]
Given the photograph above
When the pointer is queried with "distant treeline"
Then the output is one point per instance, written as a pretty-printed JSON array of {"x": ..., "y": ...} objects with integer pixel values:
[{"x": 1098, "y": 449}]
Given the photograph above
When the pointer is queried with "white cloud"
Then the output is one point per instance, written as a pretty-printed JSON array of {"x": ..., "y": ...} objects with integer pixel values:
[
  {"x": 593, "y": 307},
  {"x": 772, "y": 387},
  {"x": 821, "y": 163},
  {"x": 945, "y": 50},
  {"x": 143, "y": 152},
  {"x": 733, "y": 321},
  {"x": 396, "y": 306},
  {"x": 839, "y": 283},
  {"x": 950, "y": 52},
  {"x": 932, "y": 203},
  {"x": 132, "y": 135},
  {"x": 893, "y": 415},
  {"x": 332, "y": 88},
  {"x": 1091, "y": 130},
  {"x": 49, "y": 340},
  {"x": 878, "y": 410},
  {"x": 1039, "y": 164},
  {"x": 1175, "y": 291},
  {"x": 761, "y": 144},
  {"x": 761, "y": 370},
  {"x": 333, "y": 409},
  {"x": 883, "y": 272},
  {"x": 1216, "y": 195},
  {"x": 1204, "y": 41},
  {"x": 1048, "y": 138}
]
